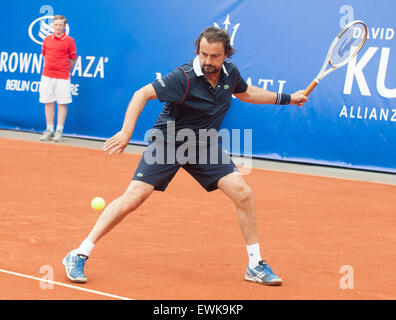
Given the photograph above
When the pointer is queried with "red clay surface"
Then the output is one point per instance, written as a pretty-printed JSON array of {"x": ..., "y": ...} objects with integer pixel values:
[{"x": 185, "y": 243}]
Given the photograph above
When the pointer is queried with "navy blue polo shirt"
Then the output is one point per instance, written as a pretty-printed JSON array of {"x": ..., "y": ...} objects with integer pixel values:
[{"x": 191, "y": 101}]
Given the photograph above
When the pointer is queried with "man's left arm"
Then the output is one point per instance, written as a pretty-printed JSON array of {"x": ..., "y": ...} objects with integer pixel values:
[
  {"x": 71, "y": 63},
  {"x": 257, "y": 95},
  {"x": 72, "y": 54}
]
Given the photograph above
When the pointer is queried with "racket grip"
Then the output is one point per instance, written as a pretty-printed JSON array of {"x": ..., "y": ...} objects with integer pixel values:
[{"x": 309, "y": 89}]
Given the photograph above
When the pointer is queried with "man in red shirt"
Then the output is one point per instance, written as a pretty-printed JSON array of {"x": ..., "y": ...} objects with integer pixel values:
[{"x": 59, "y": 51}]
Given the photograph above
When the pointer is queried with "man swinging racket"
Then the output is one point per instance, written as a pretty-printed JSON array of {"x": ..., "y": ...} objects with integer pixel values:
[{"x": 197, "y": 97}]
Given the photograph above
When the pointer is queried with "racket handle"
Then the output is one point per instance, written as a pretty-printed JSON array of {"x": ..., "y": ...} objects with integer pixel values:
[{"x": 309, "y": 89}]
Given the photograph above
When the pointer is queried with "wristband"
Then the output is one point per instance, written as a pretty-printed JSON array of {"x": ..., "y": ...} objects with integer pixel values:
[
  {"x": 283, "y": 98},
  {"x": 125, "y": 130}
]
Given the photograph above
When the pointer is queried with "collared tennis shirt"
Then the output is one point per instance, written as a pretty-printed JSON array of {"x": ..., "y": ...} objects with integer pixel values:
[
  {"x": 191, "y": 101},
  {"x": 57, "y": 52}
]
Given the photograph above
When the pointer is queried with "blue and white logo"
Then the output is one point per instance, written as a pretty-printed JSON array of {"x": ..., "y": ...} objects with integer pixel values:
[
  {"x": 42, "y": 27},
  {"x": 226, "y": 24}
]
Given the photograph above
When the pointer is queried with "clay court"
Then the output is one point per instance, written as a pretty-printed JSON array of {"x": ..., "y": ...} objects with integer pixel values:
[{"x": 185, "y": 243}]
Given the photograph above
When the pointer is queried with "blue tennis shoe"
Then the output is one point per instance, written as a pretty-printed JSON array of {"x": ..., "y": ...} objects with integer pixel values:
[
  {"x": 263, "y": 274},
  {"x": 74, "y": 267}
]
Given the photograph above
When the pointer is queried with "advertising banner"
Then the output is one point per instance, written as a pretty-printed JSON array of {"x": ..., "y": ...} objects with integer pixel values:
[{"x": 349, "y": 120}]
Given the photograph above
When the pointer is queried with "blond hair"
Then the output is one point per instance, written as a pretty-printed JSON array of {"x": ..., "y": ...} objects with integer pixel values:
[{"x": 59, "y": 17}]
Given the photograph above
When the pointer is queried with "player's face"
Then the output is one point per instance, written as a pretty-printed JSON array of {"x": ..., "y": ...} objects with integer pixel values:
[
  {"x": 212, "y": 56},
  {"x": 59, "y": 26}
]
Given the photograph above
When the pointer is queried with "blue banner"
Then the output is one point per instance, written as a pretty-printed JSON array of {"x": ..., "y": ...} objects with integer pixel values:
[{"x": 349, "y": 120}]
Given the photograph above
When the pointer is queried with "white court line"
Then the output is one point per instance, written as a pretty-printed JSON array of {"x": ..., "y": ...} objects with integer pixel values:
[{"x": 65, "y": 285}]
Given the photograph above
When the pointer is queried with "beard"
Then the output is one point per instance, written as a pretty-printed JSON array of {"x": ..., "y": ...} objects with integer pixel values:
[{"x": 208, "y": 69}]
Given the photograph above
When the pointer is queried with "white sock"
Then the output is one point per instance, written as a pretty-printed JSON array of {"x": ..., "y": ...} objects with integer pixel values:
[
  {"x": 50, "y": 127},
  {"x": 254, "y": 254},
  {"x": 59, "y": 128},
  {"x": 85, "y": 247}
]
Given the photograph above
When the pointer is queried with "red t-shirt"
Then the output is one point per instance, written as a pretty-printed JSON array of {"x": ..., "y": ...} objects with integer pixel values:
[{"x": 57, "y": 52}]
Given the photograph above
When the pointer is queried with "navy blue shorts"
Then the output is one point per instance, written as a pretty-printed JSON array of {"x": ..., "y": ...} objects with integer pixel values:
[{"x": 207, "y": 165}]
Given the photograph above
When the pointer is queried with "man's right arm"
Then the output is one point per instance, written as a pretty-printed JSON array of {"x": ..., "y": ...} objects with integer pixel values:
[{"x": 120, "y": 140}]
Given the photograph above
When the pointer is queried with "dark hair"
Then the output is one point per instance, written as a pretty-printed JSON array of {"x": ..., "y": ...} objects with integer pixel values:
[{"x": 214, "y": 34}]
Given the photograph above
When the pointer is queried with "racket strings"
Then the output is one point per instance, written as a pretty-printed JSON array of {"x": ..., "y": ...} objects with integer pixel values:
[{"x": 348, "y": 44}]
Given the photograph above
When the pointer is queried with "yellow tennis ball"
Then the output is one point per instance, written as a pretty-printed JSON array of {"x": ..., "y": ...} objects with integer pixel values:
[{"x": 98, "y": 203}]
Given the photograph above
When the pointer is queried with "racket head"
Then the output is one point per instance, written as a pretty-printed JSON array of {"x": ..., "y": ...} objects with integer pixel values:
[{"x": 349, "y": 42}]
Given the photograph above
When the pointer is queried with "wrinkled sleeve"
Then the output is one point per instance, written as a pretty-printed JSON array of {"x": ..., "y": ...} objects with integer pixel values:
[
  {"x": 240, "y": 84},
  {"x": 43, "y": 48},
  {"x": 73, "y": 50},
  {"x": 172, "y": 87}
]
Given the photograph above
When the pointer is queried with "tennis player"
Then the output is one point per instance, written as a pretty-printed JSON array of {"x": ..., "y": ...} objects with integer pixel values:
[{"x": 197, "y": 97}]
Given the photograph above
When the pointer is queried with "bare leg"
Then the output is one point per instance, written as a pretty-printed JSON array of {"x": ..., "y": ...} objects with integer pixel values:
[
  {"x": 237, "y": 189},
  {"x": 118, "y": 209},
  {"x": 62, "y": 112},
  {"x": 234, "y": 186},
  {"x": 50, "y": 113}
]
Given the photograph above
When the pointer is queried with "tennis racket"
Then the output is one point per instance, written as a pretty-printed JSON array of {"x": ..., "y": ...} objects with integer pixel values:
[{"x": 344, "y": 47}]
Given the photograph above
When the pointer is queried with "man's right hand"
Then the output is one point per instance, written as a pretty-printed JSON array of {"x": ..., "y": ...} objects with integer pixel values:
[{"x": 117, "y": 143}]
